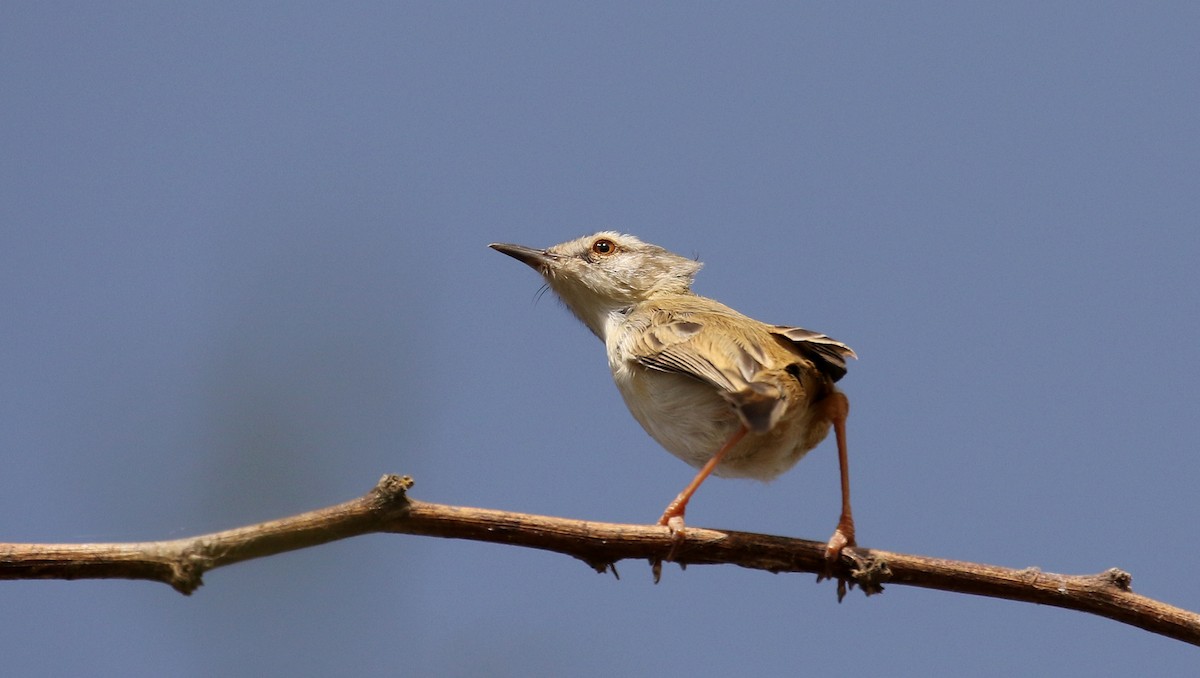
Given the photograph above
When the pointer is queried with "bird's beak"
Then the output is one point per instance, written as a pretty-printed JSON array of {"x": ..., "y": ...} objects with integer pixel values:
[{"x": 538, "y": 259}]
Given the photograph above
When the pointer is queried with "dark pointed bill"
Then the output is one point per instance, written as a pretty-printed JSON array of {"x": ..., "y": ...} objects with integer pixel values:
[{"x": 526, "y": 255}]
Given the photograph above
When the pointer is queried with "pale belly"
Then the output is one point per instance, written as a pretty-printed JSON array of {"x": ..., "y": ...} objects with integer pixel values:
[{"x": 690, "y": 420}]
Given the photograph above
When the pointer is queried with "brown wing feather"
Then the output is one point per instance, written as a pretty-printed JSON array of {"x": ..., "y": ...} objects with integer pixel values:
[
  {"x": 704, "y": 346},
  {"x": 682, "y": 345},
  {"x": 828, "y": 355}
]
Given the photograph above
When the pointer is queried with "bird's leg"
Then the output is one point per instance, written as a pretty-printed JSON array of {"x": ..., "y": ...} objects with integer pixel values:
[
  {"x": 836, "y": 408},
  {"x": 673, "y": 516}
]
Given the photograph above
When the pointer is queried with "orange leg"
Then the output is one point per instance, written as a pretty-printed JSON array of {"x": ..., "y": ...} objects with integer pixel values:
[
  {"x": 673, "y": 516},
  {"x": 836, "y": 409}
]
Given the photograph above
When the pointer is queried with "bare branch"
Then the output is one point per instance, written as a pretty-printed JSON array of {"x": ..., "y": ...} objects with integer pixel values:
[{"x": 387, "y": 508}]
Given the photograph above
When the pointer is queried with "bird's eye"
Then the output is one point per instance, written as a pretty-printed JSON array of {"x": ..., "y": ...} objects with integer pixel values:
[{"x": 604, "y": 246}]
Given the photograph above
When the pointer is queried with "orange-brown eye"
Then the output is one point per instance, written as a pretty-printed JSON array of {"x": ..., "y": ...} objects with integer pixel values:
[{"x": 604, "y": 246}]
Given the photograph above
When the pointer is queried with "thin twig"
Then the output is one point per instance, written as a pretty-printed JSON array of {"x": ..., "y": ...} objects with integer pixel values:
[{"x": 386, "y": 508}]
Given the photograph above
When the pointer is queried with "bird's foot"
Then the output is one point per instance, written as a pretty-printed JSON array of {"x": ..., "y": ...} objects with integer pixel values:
[
  {"x": 673, "y": 520},
  {"x": 842, "y": 537},
  {"x": 675, "y": 523},
  {"x": 833, "y": 548}
]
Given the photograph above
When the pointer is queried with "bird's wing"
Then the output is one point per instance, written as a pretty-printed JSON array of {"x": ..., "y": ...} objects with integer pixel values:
[
  {"x": 697, "y": 345},
  {"x": 828, "y": 355},
  {"x": 705, "y": 346}
]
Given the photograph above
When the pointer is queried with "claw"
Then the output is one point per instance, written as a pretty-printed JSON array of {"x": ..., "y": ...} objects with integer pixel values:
[
  {"x": 839, "y": 541},
  {"x": 678, "y": 537},
  {"x": 842, "y": 537},
  {"x": 675, "y": 523}
]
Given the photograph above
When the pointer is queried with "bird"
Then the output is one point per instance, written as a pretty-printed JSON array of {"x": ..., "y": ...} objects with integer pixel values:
[{"x": 730, "y": 395}]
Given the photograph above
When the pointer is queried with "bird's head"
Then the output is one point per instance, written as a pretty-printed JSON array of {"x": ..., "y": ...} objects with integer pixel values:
[{"x": 605, "y": 272}]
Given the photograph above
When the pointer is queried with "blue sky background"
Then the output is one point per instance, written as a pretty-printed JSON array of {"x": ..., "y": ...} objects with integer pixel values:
[{"x": 244, "y": 265}]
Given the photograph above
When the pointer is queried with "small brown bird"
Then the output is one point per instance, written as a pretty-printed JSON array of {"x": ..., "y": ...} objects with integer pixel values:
[{"x": 725, "y": 393}]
